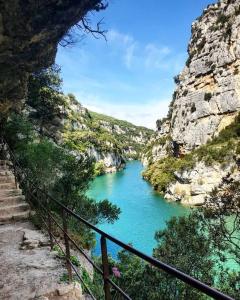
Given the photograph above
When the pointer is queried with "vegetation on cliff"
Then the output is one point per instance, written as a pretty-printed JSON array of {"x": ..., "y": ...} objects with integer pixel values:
[
  {"x": 206, "y": 99},
  {"x": 203, "y": 244},
  {"x": 105, "y": 134},
  {"x": 219, "y": 150},
  {"x": 63, "y": 119},
  {"x": 131, "y": 138}
]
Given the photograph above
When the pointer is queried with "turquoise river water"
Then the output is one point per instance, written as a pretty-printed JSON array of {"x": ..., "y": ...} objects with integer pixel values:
[{"x": 143, "y": 211}]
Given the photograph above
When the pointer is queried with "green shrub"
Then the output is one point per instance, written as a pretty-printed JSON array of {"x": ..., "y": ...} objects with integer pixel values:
[
  {"x": 64, "y": 277},
  {"x": 75, "y": 261},
  {"x": 59, "y": 251},
  {"x": 222, "y": 19},
  {"x": 99, "y": 168},
  {"x": 161, "y": 173},
  {"x": 176, "y": 79},
  {"x": 207, "y": 96},
  {"x": 236, "y": 71},
  {"x": 193, "y": 108},
  {"x": 230, "y": 132}
]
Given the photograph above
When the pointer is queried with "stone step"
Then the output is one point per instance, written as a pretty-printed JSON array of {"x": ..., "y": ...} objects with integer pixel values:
[
  {"x": 13, "y": 209},
  {"x": 15, "y": 217},
  {"x": 4, "y": 162},
  {"x": 10, "y": 192},
  {"x": 5, "y": 186},
  {"x": 12, "y": 200},
  {"x": 7, "y": 179},
  {"x": 4, "y": 167},
  {"x": 5, "y": 173}
]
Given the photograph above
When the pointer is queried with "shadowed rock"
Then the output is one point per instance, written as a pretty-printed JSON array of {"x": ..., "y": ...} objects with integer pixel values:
[{"x": 29, "y": 34}]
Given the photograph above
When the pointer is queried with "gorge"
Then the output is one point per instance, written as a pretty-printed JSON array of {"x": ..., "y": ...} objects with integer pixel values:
[{"x": 89, "y": 170}]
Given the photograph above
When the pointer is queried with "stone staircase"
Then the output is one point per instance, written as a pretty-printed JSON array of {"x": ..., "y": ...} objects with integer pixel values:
[{"x": 13, "y": 206}]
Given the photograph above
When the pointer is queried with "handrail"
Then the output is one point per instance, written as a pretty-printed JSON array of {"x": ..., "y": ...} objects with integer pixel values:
[{"x": 105, "y": 236}]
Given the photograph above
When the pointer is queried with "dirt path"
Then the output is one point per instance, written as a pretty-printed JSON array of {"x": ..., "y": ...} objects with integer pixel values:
[{"x": 28, "y": 269}]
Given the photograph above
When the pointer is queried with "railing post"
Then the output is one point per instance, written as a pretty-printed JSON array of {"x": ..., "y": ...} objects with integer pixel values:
[
  {"x": 15, "y": 176},
  {"x": 1, "y": 142},
  {"x": 67, "y": 248},
  {"x": 49, "y": 219},
  {"x": 105, "y": 268}
]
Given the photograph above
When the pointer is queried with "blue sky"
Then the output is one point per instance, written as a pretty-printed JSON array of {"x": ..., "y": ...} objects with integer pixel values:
[{"x": 131, "y": 75}]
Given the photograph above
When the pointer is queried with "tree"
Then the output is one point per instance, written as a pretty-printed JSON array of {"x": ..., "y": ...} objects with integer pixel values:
[
  {"x": 221, "y": 219},
  {"x": 45, "y": 96},
  {"x": 182, "y": 245},
  {"x": 186, "y": 247},
  {"x": 60, "y": 173}
]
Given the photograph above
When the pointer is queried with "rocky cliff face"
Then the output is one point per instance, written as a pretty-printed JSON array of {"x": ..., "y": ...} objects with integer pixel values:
[
  {"x": 207, "y": 96},
  {"x": 29, "y": 35},
  {"x": 193, "y": 186},
  {"x": 111, "y": 142}
]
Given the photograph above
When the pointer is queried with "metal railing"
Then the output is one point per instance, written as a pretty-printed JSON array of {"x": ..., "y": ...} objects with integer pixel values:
[{"x": 49, "y": 221}]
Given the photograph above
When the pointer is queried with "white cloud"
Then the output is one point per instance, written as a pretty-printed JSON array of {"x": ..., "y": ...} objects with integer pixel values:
[
  {"x": 118, "y": 37},
  {"x": 142, "y": 114},
  {"x": 137, "y": 55},
  {"x": 155, "y": 57},
  {"x": 129, "y": 55},
  {"x": 125, "y": 43}
]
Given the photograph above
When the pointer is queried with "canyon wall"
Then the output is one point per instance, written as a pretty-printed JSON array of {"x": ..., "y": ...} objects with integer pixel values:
[
  {"x": 208, "y": 93},
  {"x": 205, "y": 102},
  {"x": 111, "y": 142}
]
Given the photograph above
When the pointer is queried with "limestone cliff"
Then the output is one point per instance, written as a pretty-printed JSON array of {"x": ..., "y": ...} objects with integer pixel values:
[
  {"x": 111, "y": 142},
  {"x": 206, "y": 99},
  {"x": 208, "y": 94}
]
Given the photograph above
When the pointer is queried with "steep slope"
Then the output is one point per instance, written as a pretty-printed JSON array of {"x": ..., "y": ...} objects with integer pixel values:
[
  {"x": 131, "y": 138},
  {"x": 208, "y": 92},
  {"x": 111, "y": 142},
  {"x": 206, "y": 100}
]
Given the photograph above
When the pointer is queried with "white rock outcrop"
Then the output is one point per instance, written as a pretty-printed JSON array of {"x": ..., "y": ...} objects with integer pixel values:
[
  {"x": 207, "y": 97},
  {"x": 206, "y": 100},
  {"x": 194, "y": 186},
  {"x": 208, "y": 94}
]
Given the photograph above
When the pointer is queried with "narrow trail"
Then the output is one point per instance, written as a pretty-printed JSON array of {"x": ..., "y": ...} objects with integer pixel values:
[{"x": 28, "y": 269}]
